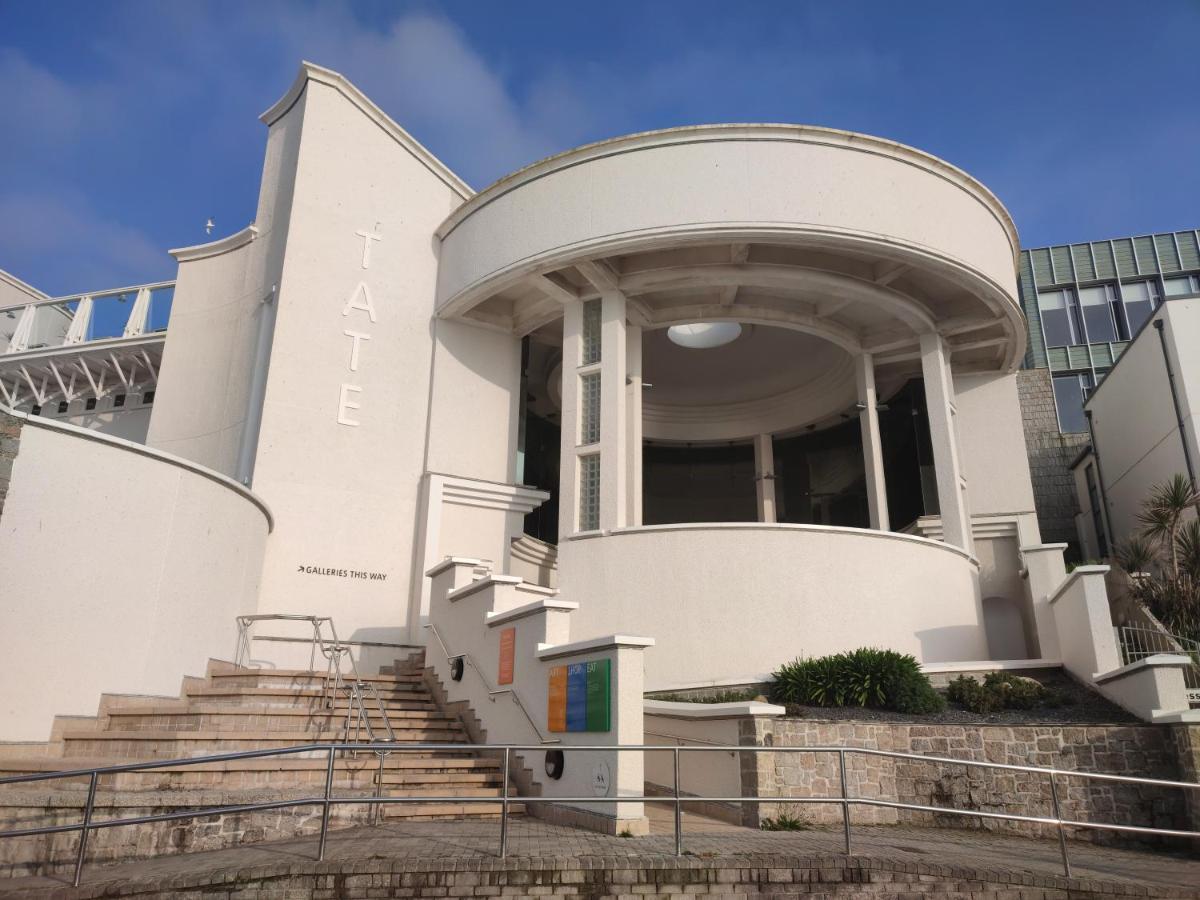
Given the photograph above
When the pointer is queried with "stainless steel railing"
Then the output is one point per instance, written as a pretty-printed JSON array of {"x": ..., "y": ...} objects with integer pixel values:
[
  {"x": 1140, "y": 641},
  {"x": 334, "y": 651},
  {"x": 493, "y": 693},
  {"x": 327, "y": 800}
]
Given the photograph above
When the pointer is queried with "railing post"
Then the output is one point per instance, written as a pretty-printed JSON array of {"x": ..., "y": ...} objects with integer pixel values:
[
  {"x": 845, "y": 798},
  {"x": 378, "y": 789},
  {"x": 325, "y": 805},
  {"x": 504, "y": 807},
  {"x": 678, "y": 807},
  {"x": 1062, "y": 838},
  {"x": 83, "y": 832}
]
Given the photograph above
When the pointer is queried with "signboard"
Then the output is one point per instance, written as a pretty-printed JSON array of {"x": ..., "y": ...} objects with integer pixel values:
[
  {"x": 580, "y": 697},
  {"x": 556, "y": 716},
  {"x": 508, "y": 652}
]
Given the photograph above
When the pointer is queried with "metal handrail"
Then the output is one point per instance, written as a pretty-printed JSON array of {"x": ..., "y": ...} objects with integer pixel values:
[
  {"x": 333, "y": 650},
  {"x": 326, "y": 801},
  {"x": 493, "y": 693}
]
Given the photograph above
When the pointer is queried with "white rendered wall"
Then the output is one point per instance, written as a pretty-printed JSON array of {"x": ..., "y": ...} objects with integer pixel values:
[
  {"x": 201, "y": 401},
  {"x": 613, "y": 193},
  {"x": 1137, "y": 435},
  {"x": 343, "y": 440},
  {"x": 123, "y": 572},
  {"x": 991, "y": 444},
  {"x": 730, "y": 603}
]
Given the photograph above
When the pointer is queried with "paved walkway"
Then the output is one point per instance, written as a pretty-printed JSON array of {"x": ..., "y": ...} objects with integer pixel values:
[{"x": 475, "y": 845}]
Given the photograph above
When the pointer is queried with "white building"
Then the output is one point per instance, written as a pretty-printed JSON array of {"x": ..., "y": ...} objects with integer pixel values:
[
  {"x": 760, "y": 376},
  {"x": 1142, "y": 419}
]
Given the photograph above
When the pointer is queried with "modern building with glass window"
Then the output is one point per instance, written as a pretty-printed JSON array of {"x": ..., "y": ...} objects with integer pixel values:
[
  {"x": 1084, "y": 304},
  {"x": 699, "y": 401}
]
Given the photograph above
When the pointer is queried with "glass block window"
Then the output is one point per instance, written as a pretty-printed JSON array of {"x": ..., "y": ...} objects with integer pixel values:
[
  {"x": 591, "y": 332},
  {"x": 589, "y": 492},
  {"x": 590, "y": 402}
]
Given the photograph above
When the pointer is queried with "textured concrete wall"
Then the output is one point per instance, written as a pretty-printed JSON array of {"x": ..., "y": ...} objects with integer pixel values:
[
  {"x": 1050, "y": 455},
  {"x": 1139, "y": 750},
  {"x": 10, "y": 440}
]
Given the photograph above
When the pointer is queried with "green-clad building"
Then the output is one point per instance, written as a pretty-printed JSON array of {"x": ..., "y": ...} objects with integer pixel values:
[{"x": 1084, "y": 303}]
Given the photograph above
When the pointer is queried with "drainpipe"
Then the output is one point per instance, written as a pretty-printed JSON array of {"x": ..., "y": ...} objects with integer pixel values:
[
  {"x": 1108, "y": 539},
  {"x": 1187, "y": 456}
]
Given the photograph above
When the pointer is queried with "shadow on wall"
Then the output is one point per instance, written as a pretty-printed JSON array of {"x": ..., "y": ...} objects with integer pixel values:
[{"x": 946, "y": 644}]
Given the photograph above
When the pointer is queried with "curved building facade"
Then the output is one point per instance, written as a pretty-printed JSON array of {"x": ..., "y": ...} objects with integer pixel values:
[{"x": 747, "y": 390}]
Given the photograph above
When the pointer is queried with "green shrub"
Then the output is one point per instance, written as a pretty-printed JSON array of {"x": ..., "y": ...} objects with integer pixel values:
[
  {"x": 784, "y": 822},
  {"x": 719, "y": 697},
  {"x": 867, "y": 677},
  {"x": 1001, "y": 690}
]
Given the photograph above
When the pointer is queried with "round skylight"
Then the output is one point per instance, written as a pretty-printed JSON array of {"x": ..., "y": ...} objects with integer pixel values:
[{"x": 704, "y": 335}]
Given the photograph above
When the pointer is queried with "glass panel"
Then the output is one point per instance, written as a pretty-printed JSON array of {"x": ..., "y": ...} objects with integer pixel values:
[
  {"x": 591, "y": 332},
  {"x": 1068, "y": 395},
  {"x": 1094, "y": 302},
  {"x": 1057, "y": 327},
  {"x": 159, "y": 313},
  {"x": 589, "y": 492},
  {"x": 590, "y": 390},
  {"x": 1139, "y": 303},
  {"x": 699, "y": 484},
  {"x": 1178, "y": 287}
]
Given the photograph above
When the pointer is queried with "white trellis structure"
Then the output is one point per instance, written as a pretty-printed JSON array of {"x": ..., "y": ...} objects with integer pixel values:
[{"x": 50, "y": 351}]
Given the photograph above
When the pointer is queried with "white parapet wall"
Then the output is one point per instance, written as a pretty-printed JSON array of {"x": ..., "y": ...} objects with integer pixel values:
[
  {"x": 483, "y": 620},
  {"x": 123, "y": 570},
  {"x": 728, "y": 603}
]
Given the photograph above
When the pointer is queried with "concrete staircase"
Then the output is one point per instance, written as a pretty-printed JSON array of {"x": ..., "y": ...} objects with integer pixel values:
[{"x": 234, "y": 709}]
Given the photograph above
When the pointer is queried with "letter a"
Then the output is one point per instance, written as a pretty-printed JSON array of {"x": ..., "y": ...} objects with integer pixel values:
[{"x": 366, "y": 305}]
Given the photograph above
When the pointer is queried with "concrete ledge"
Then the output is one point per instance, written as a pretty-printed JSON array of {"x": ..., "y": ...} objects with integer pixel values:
[
  {"x": 672, "y": 710},
  {"x": 595, "y": 645},
  {"x": 451, "y": 561},
  {"x": 990, "y": 665},
  {"x": 529, "y": 609},
  {"x": 1074, "y": 576},
  {"x": 1177, "y": 660},
  {"x": 481, "y": 584}
]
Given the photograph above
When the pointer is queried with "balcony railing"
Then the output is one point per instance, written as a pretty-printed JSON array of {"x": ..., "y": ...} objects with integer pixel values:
[{"x": 83, "y": 346}]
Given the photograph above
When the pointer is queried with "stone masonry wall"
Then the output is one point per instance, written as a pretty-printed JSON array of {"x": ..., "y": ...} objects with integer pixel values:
[
  {"x": 1138, "y": 750},
  {"x": 10, "y": 440},
  {"x": 1050, "y": 455}
]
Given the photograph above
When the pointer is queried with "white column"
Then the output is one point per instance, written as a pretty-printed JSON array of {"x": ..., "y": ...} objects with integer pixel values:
[
  {"x": 939, "y": 400},
  {"x": 568, "y": 465},
  {"x": 633, "y": 427},
  {"x": 614, "y": 462},
  {"x": 868, "y": 417},
  {"x": 764, "y": 476}
]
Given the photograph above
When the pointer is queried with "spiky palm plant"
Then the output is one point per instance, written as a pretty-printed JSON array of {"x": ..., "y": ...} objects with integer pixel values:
[{"x": 1170, "y": 542}]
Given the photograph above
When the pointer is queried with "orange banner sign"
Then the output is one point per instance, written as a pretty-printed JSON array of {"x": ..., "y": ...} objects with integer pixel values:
[
  {"x": 508, "y": 654},
  {"x": 556, "y": 714}
]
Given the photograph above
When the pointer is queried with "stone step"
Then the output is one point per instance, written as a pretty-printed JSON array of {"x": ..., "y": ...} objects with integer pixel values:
[
  {"x": 396, "y": 765},
  {"x": 223, "y": 717},
  {"x": 298, "y": 697},
  {"x": 167, "y": 743},
  {"x": 302, "y": 678}
]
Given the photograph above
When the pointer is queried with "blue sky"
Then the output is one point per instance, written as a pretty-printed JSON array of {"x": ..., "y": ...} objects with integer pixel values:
[{"x": 129, "y": 124}]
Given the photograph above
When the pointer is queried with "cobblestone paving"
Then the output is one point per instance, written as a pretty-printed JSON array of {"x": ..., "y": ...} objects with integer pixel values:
[{"x": 533, "y": 844}]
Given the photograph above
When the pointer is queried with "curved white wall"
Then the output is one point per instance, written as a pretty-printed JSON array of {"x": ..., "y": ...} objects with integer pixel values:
[
  {"x": 123, "y": 569},
  {"x": 731, "y": 602},
  {"x": 796, "y": 182}
]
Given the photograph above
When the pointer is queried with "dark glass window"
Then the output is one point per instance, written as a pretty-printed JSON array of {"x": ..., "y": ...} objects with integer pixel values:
[
  {"x": 1140, "y": 299},
  {"x": 90, "y": 404},
  {"x": 1096, "y": 306},
  {"x": 1060, "y": 325},
  {"x": 1070, "y": 392},
  {"x": 819, "y": 477},
  {"x": 712, "y": 483},
  {"x": 148, "y": 397},
  {"x": 118, "y": 401},
  {"x": 62, "y": 406}
]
